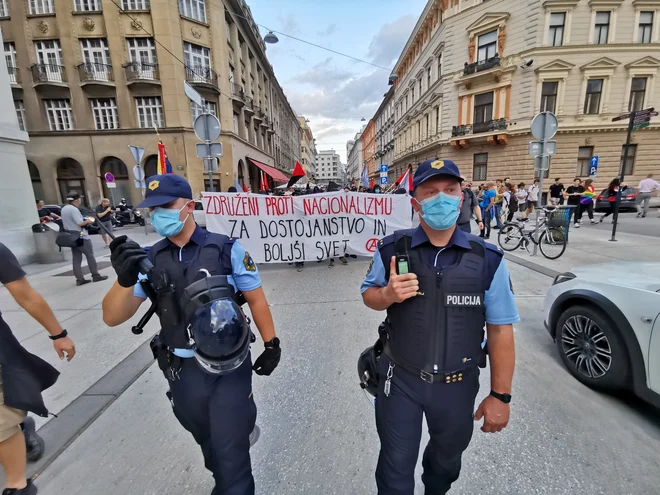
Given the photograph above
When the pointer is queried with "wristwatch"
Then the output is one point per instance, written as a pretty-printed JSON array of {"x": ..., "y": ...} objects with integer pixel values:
[
  {"x": 506, "y": 398},
  {"x": 59, "y": 335}
]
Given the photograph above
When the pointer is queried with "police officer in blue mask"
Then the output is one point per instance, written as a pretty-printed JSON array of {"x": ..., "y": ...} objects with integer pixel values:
[
  {"x": 439, "y": 286},
  {"x": 210, "y": 379}
]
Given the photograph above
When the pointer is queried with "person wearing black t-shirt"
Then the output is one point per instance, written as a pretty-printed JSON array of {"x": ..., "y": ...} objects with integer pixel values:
[
  {"x": 572, "y": 195},
  {"x": 556, "y": 191}
]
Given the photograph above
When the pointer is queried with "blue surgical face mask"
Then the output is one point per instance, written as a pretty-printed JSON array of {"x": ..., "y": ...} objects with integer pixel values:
[
  {"x": 441, "y": 211},
  {"x": 166, "y": 223}
]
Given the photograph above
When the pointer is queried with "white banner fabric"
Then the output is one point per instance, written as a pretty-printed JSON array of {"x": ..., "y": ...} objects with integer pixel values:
[{"x": 285, "y": 229}]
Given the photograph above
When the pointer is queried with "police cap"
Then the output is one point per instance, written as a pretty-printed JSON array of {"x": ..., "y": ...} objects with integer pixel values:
[
  {"x": 433, "y": 168},
  {"x": 162, "y": 189}
]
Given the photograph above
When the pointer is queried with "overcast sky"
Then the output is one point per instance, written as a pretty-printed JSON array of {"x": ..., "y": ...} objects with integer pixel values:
[{"x": 332, "y": 91}]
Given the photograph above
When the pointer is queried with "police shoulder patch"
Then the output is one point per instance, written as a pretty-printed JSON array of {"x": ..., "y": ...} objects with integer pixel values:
[
  {"x": 248, "y": 262},
  {"x": 371, "y": 265}
]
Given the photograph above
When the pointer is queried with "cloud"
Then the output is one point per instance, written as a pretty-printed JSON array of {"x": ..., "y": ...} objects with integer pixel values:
[
  {"x": 323, "y": 75},
  {"x": 387, "y": 44},
  {"x": 289, "y": 24},
  {"x": 328, "y": 31}
]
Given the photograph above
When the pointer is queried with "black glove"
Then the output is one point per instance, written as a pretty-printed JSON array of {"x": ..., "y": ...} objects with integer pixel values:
[
  {"x": 269, "y": 359},
  {"x": 126, "y": 256}
]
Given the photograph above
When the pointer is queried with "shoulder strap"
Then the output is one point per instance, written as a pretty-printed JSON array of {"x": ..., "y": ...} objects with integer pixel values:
[{"x": 478, "y": 247}]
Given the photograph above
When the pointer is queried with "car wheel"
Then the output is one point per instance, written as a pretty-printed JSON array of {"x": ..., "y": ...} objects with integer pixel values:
[{"x": 591, "y": 348}]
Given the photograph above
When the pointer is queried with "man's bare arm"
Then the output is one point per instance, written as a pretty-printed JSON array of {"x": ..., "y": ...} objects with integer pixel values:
[
  {"x": 119, "y": 305},
  {"x": 261, "y": 314},
  {"x": 502, "y": 354},
  {"x": 32, "y": 302}
]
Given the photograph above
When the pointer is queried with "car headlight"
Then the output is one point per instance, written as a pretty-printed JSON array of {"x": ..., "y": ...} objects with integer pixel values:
[{"x": 563, "y": 277}]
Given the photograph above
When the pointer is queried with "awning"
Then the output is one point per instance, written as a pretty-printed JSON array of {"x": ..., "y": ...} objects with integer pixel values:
[{"x": 272, "y": 171}]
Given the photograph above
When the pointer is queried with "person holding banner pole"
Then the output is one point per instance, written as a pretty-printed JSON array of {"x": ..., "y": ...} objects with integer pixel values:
[
  {"x": 439, "y": 286},
  {"x": 203, "y": 351}
]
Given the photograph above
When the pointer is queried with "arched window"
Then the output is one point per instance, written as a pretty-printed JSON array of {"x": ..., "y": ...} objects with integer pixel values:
[{"x": 71, "y": 178}]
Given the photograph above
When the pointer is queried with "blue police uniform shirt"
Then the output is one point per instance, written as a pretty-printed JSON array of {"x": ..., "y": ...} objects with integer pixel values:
[
  {"x": 241, "y": 278},
  {"x": 499, "y": 300}
]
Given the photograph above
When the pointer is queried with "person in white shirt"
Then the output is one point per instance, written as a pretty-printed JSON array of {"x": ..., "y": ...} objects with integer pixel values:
[
  {"x": 646, "y": 187},
  {"x": 521, "y": 196},
  {"x": 533, "y": 197}
]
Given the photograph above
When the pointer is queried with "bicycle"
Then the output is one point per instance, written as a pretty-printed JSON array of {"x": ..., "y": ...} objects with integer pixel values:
[{"x": 551, "y": 240}]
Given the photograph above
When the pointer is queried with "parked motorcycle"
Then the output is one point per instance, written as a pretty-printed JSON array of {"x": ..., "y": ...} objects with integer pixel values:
[{"x": 128, "y": 214}]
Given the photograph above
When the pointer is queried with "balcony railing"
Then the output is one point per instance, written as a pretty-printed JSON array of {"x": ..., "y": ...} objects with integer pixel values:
[
  {"x": 45, "y": 73},
  {"x": 481, "y": 66},
  {"x": 14, "y": 75},
  {"x": 141, "y": 71},
  {"x": 481, "y": 127},
  {"x": 95, "y": 72},
  {"x": 248, "y": 106},
  {"x": 202, "y": 74}
]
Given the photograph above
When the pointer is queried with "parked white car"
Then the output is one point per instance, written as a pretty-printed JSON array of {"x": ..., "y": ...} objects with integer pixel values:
[
  {"x": 605, "y": 319},
  {"x": 199, "y": 214}
]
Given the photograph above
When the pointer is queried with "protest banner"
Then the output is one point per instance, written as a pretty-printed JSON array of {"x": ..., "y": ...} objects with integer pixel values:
[{"x": 286, "y": 229}]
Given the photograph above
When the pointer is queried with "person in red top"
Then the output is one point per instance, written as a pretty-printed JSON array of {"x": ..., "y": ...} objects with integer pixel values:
[{"x": 612, "y": 191}]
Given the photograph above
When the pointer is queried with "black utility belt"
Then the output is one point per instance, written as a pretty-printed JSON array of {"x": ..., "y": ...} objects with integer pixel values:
[{"x": 442, "y": 377}]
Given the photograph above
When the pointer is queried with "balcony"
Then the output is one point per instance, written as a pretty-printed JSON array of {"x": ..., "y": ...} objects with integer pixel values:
[
  {"x": 14, "y": 75},
  {"x": 141, "y": 72},
  {"x": 48, "y": 74},
  {"x": 200, "y": 75},
  {"x": 258, "y": 114},
  {"x": 237, "y": 94},
  {"x": 249, "y": 111},
  {"x": 92, "y": 72},
  {"x": 475, "y": 67},
  {"x": 479, "y": 128},
  {"x": 265, "y": 122}
]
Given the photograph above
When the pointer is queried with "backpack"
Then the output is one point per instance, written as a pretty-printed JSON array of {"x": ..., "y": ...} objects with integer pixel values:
[{"x": 513, "y": 202}]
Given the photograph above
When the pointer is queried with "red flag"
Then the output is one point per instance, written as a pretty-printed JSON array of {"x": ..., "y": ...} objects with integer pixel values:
[
  {"x": 263, "y": 185},
  {"x": 245, "y": 189},
  {"x": 372, "y": 183},
  {"x": 298, "y": 173},
  {"x": 406, "y": 180},
  {"x": 164, "y": 165}
]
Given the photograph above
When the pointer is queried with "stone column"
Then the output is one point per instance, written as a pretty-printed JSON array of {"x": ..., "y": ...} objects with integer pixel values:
[{"x": 18, "y": 211}]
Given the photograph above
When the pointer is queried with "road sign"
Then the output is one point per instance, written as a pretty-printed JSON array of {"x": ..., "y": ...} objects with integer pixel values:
[
  {"x": 109, "y": 178},
  {"x": 137, "y": 153},
  {"x": 383, "y": 180},
  {"x": 210, "y": 165},
  {"x": 641, "y": 125},
  {"x": 111, "y": 185},
  {"x": 541, "y": 148},
  {"x": 205, "y": 150},
  {"x": 384, "y": 168},
  {"x": 139, "y": 184},
  {"x": 544, "y": 125},
  {"x": 207, "y": 127},
  {"x": 541, "y": 163},
  {"x": 593, "y": 166},
  {"x": 192, "y": 94},
  {"x": 138, "y": 173}
]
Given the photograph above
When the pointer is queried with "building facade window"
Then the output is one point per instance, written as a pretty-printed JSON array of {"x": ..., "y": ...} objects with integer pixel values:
[
  {"x": 196, "y": 110},
  {"x": 228, "y": 30},
  {"x": 637, "y": 94},
  {"x": 480, "y": 166},
  {"x": 87, "y": 5},
  {"x": 59, "y": 115},
  {"x": 412, "y": 95},
  {"x": 41, "y": 7},
  {"x": 557, "y": 24},
  {"x": 20, "y": 113},
  {"x": 602, "y": 28},
  {"x": 439, "y": 66},
  {"x": 49, "y": 56},
  {"x": 420, "y": 87},
  {"x": 142, "y": 50},
  {"x": 105, "y": 113},
  {"x": 584, "y": 160},
  {"x": 193, "y": 9},
  {"x": 592, "y": 98},
  {"x": 95, "y": 51},
  {"x": 487, "y": 46},
  {"x": 428, "y": 78},
  {"x": 4, "y": 9},
  {"x": 149, "y": 111},
  {"x": 483, "y": 108},
  {"x": 437, "y": 119},
  {"x": 135, "y": 4},
  {"x": 549, "y": 96},
  {"x": 10, "y": 58},
  {"x": 645, "y": 27},
  {"x": 236, "y": 124},
  {"x": 629, "y": 165}
]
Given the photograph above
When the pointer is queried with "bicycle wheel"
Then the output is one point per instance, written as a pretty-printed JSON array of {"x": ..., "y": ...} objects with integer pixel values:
[
  {"x": 510, "y": 236},
  {"x": 552, "y": 243}
]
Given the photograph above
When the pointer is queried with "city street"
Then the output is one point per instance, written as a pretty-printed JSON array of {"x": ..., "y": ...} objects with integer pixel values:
[{"x": 317, "y": 426}]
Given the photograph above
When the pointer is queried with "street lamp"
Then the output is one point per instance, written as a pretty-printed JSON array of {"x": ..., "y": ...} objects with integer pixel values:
[
  {"x": 393, "y": 77},
  {"x": 271, "y": 38},
  {"x": 363, "y": 119}
]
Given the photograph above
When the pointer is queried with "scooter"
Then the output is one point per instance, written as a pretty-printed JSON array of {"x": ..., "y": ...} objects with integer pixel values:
[{"x": 129, "y": 215}]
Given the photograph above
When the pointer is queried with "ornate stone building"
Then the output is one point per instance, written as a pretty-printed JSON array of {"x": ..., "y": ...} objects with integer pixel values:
[
  {"x": 473, "y": 74},
  {"x": 90, "y": 78}
]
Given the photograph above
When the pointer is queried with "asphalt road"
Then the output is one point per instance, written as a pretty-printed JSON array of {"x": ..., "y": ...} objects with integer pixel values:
[
  {"x": 629, "y": 223},
  {"x": 318, "y": 433}
]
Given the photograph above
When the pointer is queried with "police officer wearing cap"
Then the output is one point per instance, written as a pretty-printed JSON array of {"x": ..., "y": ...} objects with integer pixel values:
[
  {"x": 200, "y": 279},
  {"x": 439, "y": 286}
]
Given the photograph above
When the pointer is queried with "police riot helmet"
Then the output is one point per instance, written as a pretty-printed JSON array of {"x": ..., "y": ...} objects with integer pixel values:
[{"x": 217, "y": 327}]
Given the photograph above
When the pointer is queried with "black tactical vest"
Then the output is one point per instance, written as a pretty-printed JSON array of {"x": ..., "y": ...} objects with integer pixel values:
[
  {"x": 171, "y": 277},
  {"x": 440, "y": 331}
]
